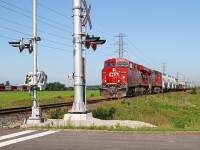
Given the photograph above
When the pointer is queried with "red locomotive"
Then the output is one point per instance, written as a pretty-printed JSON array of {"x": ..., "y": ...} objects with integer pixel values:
[{"x": 121, "y": 77}]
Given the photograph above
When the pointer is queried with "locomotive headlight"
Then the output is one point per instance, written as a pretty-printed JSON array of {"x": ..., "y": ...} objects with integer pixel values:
[
  {"x": 118, "y": 81},
  {"x": 105, "y": 81}
]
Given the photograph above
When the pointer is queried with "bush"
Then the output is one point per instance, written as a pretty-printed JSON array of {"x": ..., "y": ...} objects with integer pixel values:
[
  {"x": 181, "y": 122},
  {"x": 58, "y": 113},
  {"x": 194, "y": 91},
  {"x": 103, "y": 112}
]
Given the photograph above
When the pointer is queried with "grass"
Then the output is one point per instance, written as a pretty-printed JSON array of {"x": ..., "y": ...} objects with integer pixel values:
[
  {"x": 23, "y": 98},
  {"x": 175, "y": 111}
]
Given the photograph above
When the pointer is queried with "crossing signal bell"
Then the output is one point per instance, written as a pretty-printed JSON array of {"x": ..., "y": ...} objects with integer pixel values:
[{"x": 93, "y": 42}]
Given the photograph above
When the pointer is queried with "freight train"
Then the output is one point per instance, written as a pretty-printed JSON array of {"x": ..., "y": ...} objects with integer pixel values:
[{"x": 121, "y": 78}]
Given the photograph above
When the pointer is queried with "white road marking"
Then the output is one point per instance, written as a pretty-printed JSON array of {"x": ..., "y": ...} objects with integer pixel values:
[
  {"x": 26, "y": 138},
  {"x": 16, "y": 134}
]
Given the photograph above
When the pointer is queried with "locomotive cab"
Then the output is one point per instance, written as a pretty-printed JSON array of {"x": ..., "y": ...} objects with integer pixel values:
[{"x": 114, "y": 78}]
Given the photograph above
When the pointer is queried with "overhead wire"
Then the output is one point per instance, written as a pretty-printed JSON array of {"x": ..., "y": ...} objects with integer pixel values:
[
  {"x": 39, "y": 21},
  {"x": 140, "y": 51},
  {"x": 14, "y": 30},
  {"x": 10, "y": 38},
  {"x": 53, "y": 11},
  {"x": 55, "y": 48},
  {"x": 62, "y": 49},
  {"x": 31, "y": 35},
  {"x": 29, "y": 16},
  {"x": 30, "y": 27},
  {"x": 37, "y": 14},
  {"x": 16, "y": 23}
]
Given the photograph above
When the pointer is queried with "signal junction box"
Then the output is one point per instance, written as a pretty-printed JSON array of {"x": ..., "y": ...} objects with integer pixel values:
[{"x": 40, "y": 82}]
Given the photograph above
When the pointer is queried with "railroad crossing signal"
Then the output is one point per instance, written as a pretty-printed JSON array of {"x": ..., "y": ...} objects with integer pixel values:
[
  {"x": 87, "y": 15},
  {"x": 89, "y": 39},
  {"x": 22, "y": 46},
  {"x": 93, "y": 42}
]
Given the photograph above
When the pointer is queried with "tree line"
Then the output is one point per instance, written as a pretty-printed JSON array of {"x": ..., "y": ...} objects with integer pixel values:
[
  {"x": 6, "y": 84},
  {"x": 57, "y": 86}
]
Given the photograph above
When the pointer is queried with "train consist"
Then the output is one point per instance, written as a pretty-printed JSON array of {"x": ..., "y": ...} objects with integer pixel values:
[{"x": 121, "y": 77}]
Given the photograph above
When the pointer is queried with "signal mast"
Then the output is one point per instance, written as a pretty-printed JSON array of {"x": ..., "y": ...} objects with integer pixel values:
[
  {"x": 79, "y": 109},
  {"x": 36, "y": 116}
]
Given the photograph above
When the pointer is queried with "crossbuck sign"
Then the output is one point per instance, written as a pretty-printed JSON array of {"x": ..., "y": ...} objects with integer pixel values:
[{"x": 87, "y": 16}]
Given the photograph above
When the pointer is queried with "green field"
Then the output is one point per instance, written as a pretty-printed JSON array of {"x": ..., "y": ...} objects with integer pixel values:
[
  {"x": 23, "y": 98},
  {"x": 172, "y": 111}
]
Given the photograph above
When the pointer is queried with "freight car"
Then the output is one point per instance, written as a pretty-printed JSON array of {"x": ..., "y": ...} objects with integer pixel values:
[{"x": 121, "y": 77}]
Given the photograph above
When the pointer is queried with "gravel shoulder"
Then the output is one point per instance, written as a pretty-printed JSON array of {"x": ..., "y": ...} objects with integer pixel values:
[{"x": 90, "y": 122}]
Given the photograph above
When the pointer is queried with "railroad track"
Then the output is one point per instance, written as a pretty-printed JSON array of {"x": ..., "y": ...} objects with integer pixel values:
[{"x": 46, "y": 106}]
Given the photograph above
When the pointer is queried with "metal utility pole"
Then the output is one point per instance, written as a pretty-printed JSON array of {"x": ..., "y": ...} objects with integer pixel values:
[
  {"x": 78, "y": 104},
  {"x": 79, "y": 109},
  {"x": 36, "y": 111},
  {"x": 120, "y": 44},
  {"x": 32, "y": 79}
]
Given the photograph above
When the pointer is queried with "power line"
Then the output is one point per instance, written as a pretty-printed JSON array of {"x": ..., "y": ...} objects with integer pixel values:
[
  {"x": 38, "y": 44},
  {"x": 103, "y": 32},
  {"x": 54, "y": 48},
  {"x": 38, "y": 19},
  {"x": 15, "y": 23},
  {"x": 54, "y": 11},
  {"x": 56, "y": 42},
  {"x": 15, "y": 11},
  {"x": 53, "y": 26},
  {"x": 143, "y": 54},
  {"x": 37, "y": 15},
  {"x": 31, "y": 35},
  {"x": 8, "y": 38},
  {"x": 60, "y": 5},
  {"x": 31, "y": 28},
  {"x": 15, "y": 30}
]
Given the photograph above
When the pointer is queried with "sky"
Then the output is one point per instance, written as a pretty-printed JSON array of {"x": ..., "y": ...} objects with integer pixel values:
[{"x": 157, "y": 32}]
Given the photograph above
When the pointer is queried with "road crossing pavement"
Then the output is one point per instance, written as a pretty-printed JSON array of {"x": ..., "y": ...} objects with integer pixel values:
[
  {"x": 8, "y": 139},
  {"x": 98, "y": 140}
]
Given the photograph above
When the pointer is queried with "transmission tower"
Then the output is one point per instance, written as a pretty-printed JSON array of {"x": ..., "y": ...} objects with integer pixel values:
[
  {"x": 177, "y": 75},
  {"x": 120, "y": 44},
  {"x": 164, "y": 67}
]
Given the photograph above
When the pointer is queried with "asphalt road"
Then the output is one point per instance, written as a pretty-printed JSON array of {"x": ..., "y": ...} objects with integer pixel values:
[{"x": 96, "y": 140}]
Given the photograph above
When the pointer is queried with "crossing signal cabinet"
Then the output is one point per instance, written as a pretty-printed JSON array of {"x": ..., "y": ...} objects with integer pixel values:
[{"x": 41, "y": 80}]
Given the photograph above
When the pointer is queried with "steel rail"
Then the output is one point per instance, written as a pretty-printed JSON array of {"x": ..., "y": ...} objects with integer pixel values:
[{"x": 45, "y": 106}]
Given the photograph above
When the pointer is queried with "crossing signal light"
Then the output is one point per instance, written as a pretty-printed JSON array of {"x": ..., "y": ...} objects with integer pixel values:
[
  {"x": 94, "y": 46},
  {"x": 89, "y": 39},
  {"x": 22, "y": 46},
  {"x": 93, "y": 42}
]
